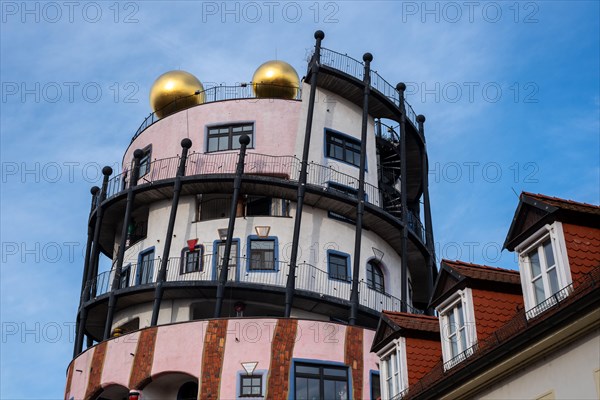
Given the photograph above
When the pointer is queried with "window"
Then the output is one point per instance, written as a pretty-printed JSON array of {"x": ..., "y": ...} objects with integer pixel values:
[
  {"x": 544, "y": 269},
  {"x": 262, "y": 255},
  {"x": 338, "y": 265},
  {"x": 124, "y": 278},
  {"x": 256, "y": 206},
  {"x": 375, "y": 386},
  {"x": 393, "y": 369},
  {"x": 145, "y": 161},
  {"x": 227, "y": 137},
  {"x": 375, "y": 276},
  {"x": 145, "y": 272},
  {"x": 191, "y": 261},
  {"x": 314, "y": 381},
  {"x": 342, "y": 147},
  {"x": 233, "y": 253},
  {"x": 251, "y": 386},
  {"x": 457, "y": 328}
]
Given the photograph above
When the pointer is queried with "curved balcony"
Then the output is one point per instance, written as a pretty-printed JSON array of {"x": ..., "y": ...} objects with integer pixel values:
[
  {"x": 286, "y": 168},
  {"x": 310, "y": 280}
]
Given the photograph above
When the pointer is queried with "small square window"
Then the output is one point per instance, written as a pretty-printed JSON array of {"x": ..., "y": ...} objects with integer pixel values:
[
  {"x": 343, "y": 148},
  {"x": 192, "y": 261},
  {"x": 251, "y": 386},
  {"x": 227, "y": 137}
]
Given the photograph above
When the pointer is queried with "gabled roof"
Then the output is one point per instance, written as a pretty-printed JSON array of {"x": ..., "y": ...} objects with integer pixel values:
[
  {"x": 535, "y": 210},
  {"x": 456, "y": 275},
  {"x": 394, "y": 324}
]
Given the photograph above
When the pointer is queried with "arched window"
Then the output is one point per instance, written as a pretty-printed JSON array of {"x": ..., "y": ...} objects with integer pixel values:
[{"x": 375, "y": 276}]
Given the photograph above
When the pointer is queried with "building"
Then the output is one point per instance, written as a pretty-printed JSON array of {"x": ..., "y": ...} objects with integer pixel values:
[
  {"x": 503, "y": 334},
  {"x": 256, "y": 232}
]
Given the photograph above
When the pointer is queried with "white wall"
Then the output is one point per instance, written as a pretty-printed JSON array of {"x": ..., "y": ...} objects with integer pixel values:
[{"x": 569, "y": 373}]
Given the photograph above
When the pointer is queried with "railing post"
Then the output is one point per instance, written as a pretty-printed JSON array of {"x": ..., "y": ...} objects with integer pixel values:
[
  {"x": 291, "y": 278},
  {"x": 162, "y": 273},
  {"x": 429, "y": 243},
  {"x": 360, "y": 204},
  {"x": 137, "y": 156},
  {"x": 237, "y": 184}
]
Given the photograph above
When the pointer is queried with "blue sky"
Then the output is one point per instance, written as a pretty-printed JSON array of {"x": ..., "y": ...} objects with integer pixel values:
[{"x": 510, "y": 91}]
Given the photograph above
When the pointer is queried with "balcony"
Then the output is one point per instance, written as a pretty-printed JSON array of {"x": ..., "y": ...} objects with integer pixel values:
[
  {"x": 284, "y": 168},
  {"x": 309, "y": 279}
]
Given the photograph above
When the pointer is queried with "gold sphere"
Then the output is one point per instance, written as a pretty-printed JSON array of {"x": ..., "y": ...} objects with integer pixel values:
[
  {"x": 174, "y": 91},
  {"x": 276, "y": 79}
]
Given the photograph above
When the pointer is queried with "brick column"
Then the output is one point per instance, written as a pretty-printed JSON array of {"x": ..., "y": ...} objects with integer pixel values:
[
  {"x": 353, "y": 356},
  {"x": 282, "y": 349},
  {"x": 95, "y": 377},
  {"x": 141, "y": 370},
  {"x": 212, "y": 359}
]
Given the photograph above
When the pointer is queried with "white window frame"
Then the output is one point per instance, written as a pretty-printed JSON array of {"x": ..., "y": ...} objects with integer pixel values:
[
  {"x": 555, "y": 233},
  {"x": 469, "y": 329},
  {"x": 395, "y": 350}
]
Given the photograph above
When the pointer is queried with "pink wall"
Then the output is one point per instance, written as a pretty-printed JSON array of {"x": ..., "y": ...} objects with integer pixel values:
[
  {"x": 276, "y": 124},
  {"x": 253, "y": 345},
  {"x": 179, "y": 348},
  {"x": 80, "y": 379},
  {"x": 320, "y": 341},
  {"x": 118, "y": 359}
]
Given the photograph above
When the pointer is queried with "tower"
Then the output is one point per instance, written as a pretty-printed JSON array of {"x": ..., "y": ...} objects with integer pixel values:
[{"x": 256, "y": 232}]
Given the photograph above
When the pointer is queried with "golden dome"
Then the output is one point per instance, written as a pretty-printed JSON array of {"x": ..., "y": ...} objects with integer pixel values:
[
  {"x": 172, "y": 86},
  {"x": 276, "y": 79}
]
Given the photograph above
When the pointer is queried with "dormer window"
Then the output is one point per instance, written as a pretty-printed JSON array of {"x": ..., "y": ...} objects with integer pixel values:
[
  {"x": 457, "y": 327},
  {"x": 545, "y": 275},
  {"x": 394, "y": 379}
]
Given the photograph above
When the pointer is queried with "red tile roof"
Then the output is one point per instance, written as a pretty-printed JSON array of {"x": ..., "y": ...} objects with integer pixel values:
[
  {"x": 414, "y": 322},
  {"x": 484, "y": 272},
  {"x": 493, "y": 310},
  {"x": 421, "y": 356},
  {"x": 583, "y": 249},
  {"x": 565, "y": 204}
]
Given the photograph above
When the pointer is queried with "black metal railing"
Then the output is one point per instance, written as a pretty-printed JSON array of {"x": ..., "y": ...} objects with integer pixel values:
[
  {"x": 211, "y": 95},
  {"x": 550, "y": 302},
  {"x": 461, "y": 357},
  {"x": 282, "y": 167},
  {"x": 356, "y": 69},
  {"x": 308, "y": 278}
]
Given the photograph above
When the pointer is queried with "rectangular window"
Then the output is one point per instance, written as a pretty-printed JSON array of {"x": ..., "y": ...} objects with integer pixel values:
[
  {"x": 338, "y": 266},
  {"x": 251, "y": 386},
  {"x": 125, "y": 275},
  {"x": 227, "y": 137},
  {"x": 145, "y": 273},
  {"x": 145, "y": 161},
  {"x": 262, "y": 255},
  {"x": 343, "y": 148},
  {"x": 375, "y": 386},
  {"x": 256, "y": 206},
  {"x": 457, "y": 328},
  {"x": 544, "y": 275},
  {"x": 192, "y": 260},
  {"x": 314, "y": 381},
  {"x": 233, "y": 254},
  {"x": 391, "y": 373}
]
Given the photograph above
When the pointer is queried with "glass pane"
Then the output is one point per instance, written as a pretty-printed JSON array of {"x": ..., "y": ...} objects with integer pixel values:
[
  {"x": 237, "y": 129},
  {"x": 539, "y": 291},
  {"x": 534, "y": 259},
  {"x": 463, "y": 338},
  {"x": 329, "y": 390},
  {"x": 451, "y": 322},
  {"x": 235, "y": 142},
  {"x": 247, "y": 128},
  {"x": 262, "y": 245},
  {"x": 224, "y": 143},
  {"x": 335, "y": 372},
  {"x": 256, "y": 381},
  {"x": 454, "y": 345},
  {"x": 549, "y": 254},
  {"x": 305, "y": 369},
  {"x": 313, "y": 389},
  {"x": 341, "y": 390},
  {"x": 246, "y": 390},
  {"x": 553, "y": 278},
  {"x": 256, "y": 390},
  {"x": 301, "y": 388},
  {"x": 461, "y": 317}
]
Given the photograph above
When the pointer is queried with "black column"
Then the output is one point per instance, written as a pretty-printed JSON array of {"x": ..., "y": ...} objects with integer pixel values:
[
  {"x": 291, "y": 279},
  {"x": 427, "y": 211},
  {"x": 237, "y": 184},
  {"x": 360, "y": 204},
  {"x": 401, "y": 87},
  {"x": 91, "y": 272},
  {"x": 162, "y": 273},
  {"x": 135, "y": 170}
]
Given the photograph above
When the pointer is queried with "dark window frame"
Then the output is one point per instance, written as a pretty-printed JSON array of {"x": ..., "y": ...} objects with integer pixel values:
[
  {"x": 145, "y": 161},
  {"x": 337, "y": 141},
  {"x": 143, "y": 265},
  {"x": 185, "y": 252},
  {"x": 373, "y": 269},
  {"x": 231, "y": 136},
  {"x": 250, "y": 261},
  {"x": 346, "y": 268},
  {"x": 322, "y": 376}
]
